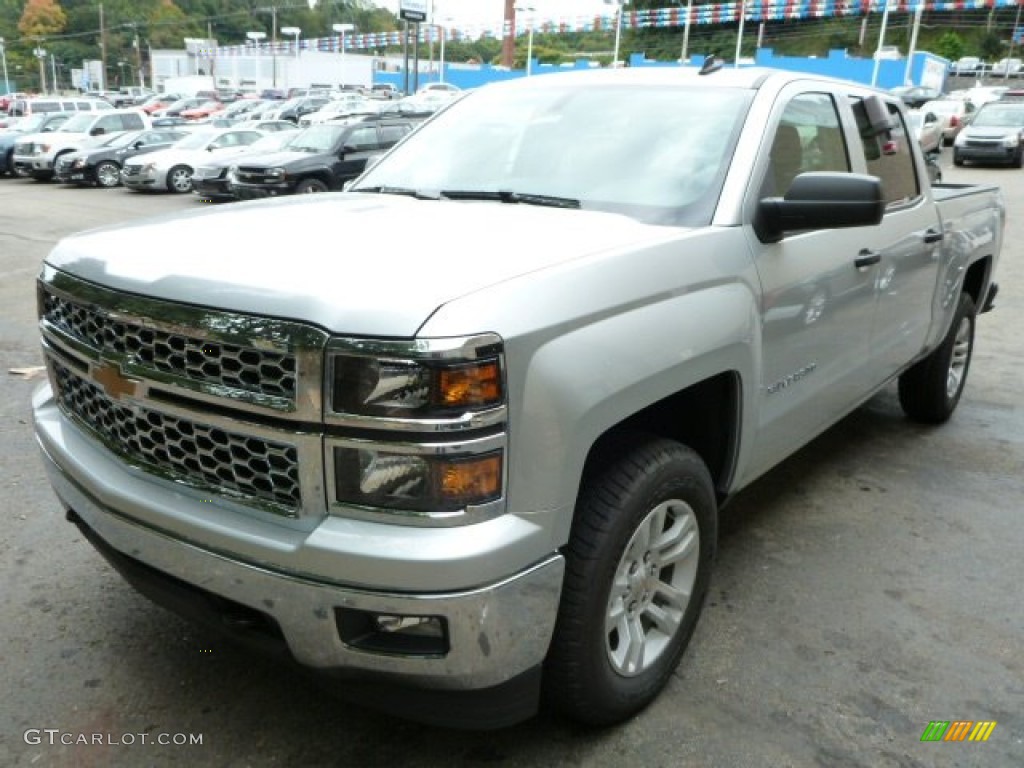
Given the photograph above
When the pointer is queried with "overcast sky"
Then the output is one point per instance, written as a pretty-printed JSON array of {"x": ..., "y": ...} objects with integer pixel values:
[{"x": 492, "y": 11}]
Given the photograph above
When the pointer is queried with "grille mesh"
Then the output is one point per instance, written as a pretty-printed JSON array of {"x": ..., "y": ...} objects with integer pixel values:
[
  {"x": 197, "y": 453},
  {"x": 254, "y": 370}
]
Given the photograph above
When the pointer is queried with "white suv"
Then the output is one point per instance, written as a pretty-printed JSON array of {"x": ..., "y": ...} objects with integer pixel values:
[{"x": 36, "y": 154}]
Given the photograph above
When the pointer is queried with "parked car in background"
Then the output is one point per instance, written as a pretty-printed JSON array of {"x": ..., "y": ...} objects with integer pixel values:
[
  {"x": 176, "y": 108},
  {"x": 967, "y": 66},
  {"x": 203, "y": 111},
  {"x": 34, "y": 105},
  {"x": 158, "y": 101},
  {"x": 293, "y": 109},
  {"x": 37, "y": 154},
  {"x": 1007, "y": 68},
  {"x": 384, "y": 91},
  {"x": 927, "y": 129},
  {"x": 210, "y": 181},
  {"x": 983, "y": 94},
  {"x": 321, "y": 158},
  {"x": 345, "y": 105},
  {"x": 101, "y": 165},
  {"x": 995, "y": 135},
  {"x": 952, "y": 113},
  {"x": 447, "y": 88},
  {"x": 42, "y": 123},
  {"x": 914, "y": 95},
  {"x": 171, "y": 169}
]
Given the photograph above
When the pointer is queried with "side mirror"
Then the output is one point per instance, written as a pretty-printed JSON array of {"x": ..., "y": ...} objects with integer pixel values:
[{"x": 820, "y": 200}]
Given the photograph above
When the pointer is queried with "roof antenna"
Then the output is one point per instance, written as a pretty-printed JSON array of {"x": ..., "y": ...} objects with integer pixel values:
[{"x": 711, "y": 64}]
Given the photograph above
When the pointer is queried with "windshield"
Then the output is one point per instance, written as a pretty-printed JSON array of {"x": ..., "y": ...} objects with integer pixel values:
[
  {"x": 78, "y": 124},
  {"x": 317, "y": 138},
  {"x": 196, "y": 140},
  {"x": 992, "y": 116},
  {"x": 119, "y": 140},
  {"x": 32, "y": 124},
  {"x": 657, "y": 153}
]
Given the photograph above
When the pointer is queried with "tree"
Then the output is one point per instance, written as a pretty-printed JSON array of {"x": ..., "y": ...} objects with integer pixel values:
[
  {"x": 42, "y": 18},
  {"x": 950, "y": 46},
  {"x": 168, "y": 24}
]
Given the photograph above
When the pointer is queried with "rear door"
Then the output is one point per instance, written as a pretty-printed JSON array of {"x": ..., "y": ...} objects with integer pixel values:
[{"x": 907, "y": 246}]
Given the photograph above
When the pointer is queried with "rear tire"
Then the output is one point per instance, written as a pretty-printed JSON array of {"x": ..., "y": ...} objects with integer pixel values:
[
  {"x": 638, "y": 564},
  {"x": 929, "y": 391}
]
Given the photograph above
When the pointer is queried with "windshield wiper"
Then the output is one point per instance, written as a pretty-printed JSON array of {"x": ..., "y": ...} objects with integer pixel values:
[
  {"x": 419, "y": 194},
  {"x": 508, "y": 196}
]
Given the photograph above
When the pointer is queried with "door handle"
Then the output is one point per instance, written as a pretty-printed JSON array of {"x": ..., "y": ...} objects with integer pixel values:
[
  {"x": 933, "y": 236},
  {"x": 867, "y": 258}
]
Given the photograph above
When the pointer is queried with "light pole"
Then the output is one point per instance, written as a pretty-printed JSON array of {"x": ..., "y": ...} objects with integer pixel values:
[
  {"x": 618, "y": 31},
  {"x": 53, "y": 71},
  {"x": 3, "y": 55},
  {"x": 295, "y": 32},
  {"x": 40, "y": 54},
  {"x": 529, "y": 37},
  {"x": 341, "y": 29},
  {"x": 257, "y": 38}
]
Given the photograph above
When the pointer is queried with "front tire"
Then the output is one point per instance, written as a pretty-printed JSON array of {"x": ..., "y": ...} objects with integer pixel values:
[
  {"x": 179, "y": 179},
  {"x": 108, "y": 174},
  {"x": 638, "y": 564},
  {"x": 957, "y": 160},
  {"x": 930, "y": 390},
  {"x": 310, "y": 187}
]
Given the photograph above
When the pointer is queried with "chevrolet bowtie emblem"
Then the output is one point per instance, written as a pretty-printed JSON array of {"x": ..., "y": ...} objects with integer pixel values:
[{"x": 115, "y": 384}]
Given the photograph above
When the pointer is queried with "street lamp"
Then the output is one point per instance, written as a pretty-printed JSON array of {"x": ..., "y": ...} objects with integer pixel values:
[
  {"x": 3, "y": 55},
  {"x": 294, "y": 31},
  {"x": 341, "y": 29},
  {"x": 40, "y": 54},
  {"x": 618, "y": 31},
  {"x": 529, "y": 38}
]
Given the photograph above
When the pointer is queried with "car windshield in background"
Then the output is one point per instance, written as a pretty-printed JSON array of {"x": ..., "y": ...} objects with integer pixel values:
[
  {"x": 196, "y": 140},
  {"x": 78, "y": 123},
  {"x": 1000, "y": 116},
  {"x": 317, "y": 138},
  {"x": 119, "y": 140},
  {"x": 658, "y": 154}
]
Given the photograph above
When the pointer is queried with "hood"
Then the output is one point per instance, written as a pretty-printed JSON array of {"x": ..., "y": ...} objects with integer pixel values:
[
  {"x": 991, "y": 132},
  {"x": 376, "y": 265},
  {"x": 168, "y": 157},
  {"x": 283, "y": 157}
]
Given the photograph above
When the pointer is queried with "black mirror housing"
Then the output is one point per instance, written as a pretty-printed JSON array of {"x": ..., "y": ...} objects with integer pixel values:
[{"x": 819, "y": 200}]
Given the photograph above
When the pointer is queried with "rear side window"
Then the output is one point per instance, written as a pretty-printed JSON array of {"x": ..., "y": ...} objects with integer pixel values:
[
  {"x": 46, "y": 106},
  {"x": 363, "y": 138},
  {"x": 889, "y": 155},
  {"x": 390, "y": 134},
  {"x": 132, "y": 122}
]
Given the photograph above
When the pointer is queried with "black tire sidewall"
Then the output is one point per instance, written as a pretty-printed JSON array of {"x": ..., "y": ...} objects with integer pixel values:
[{"x": 599, "y": 695}]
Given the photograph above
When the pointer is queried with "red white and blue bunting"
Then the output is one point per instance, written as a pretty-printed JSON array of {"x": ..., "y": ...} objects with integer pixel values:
[{"x": 713, "y": 13}]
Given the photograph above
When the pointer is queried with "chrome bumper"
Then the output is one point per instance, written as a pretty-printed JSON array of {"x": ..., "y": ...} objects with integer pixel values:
[{"x": 495, "y": 632}]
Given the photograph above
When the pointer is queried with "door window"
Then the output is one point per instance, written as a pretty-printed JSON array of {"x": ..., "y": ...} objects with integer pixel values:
[
  {"x": 889, "y": 156},
  {"x": 808, "y": 139}
]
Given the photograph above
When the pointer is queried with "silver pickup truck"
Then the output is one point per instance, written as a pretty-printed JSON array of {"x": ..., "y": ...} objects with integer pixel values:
[{"x": 460, "y": 435}]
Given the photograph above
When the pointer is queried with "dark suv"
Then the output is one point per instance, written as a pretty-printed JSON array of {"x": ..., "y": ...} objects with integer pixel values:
[{"x": 321, "y": 158}]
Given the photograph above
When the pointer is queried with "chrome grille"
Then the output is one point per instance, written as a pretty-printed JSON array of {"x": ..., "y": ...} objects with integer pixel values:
[
  {"x": 199, "y": 454},
  {"x": 255, "y": 370}
]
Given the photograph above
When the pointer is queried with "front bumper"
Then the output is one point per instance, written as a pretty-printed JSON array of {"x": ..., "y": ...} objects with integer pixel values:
[
  {"x": 987, "y": 153},
  {"x": 497, "y": 632}
]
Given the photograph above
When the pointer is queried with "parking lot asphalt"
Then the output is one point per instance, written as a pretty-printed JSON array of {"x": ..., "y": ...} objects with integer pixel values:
[{"x": 867, "y": 586}]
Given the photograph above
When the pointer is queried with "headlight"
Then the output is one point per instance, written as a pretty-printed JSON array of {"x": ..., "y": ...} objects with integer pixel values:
[
  {"x": 961, "y": 139},
  {"x": 232, "y": 173},
  {"x": 276, "y": 173},
  {"x": 375, "y": 476},
  {"x": 148, "y": 167},
  {"x": 417, "y": 428},
  {"x": 434, "y": 380},
  {"x": 79, "y": 163},
  {"x": 1011, "y": 141}
]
